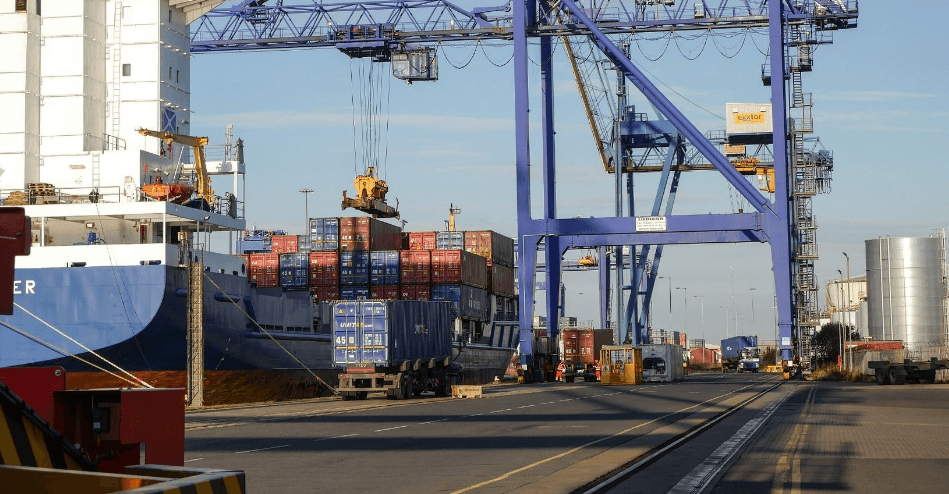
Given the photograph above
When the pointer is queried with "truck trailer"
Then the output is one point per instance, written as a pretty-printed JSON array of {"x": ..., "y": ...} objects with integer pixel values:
[
  {"x": 662, "y": 363},
  {"x": 737, "y": 349},
  {"x": 400, "y": 347},
  {"x": 887, "y": 372}
]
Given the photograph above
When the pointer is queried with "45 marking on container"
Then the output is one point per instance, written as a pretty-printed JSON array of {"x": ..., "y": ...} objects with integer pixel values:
[{"x": 651, "y": 224}]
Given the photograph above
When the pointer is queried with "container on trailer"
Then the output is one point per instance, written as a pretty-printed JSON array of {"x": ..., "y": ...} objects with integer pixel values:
[
  {"x": 295, "y": 271},
  {"x": 467, "y": 302},
  {"x": 416, "y": 266},
  {"x": 384, "y": 267},
  {"x": 354, "y": 268},
  {"x": 324, "y": 234},
  {"x": 368, "y": 234},
  {"x": 459, "y": 267},
  {"x": 422, "y": 241},
  {"x": 384, "y": 292},
  {"x": 284, "y": 244},
  {"x": 501, "y": 280},
  {"x": 325, "y": 293},
  {"x": 662, "y": 363},
  {"x": 491, "y": 245},
  {"x": 354, "y": 293},
  {"x": 733, "y": 347},
  {"x": 416, "y": 292},
  {"x": 450, "y": 240},
  {"x": 386, "y": 333},
  {"x": 324, "y": 268}
]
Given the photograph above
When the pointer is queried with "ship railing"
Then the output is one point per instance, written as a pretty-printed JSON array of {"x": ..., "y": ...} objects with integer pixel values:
[{"x": 40, "y": 193}]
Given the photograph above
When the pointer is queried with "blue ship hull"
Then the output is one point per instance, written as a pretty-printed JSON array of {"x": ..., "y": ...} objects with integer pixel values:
[{"x": 135, "y": 316}]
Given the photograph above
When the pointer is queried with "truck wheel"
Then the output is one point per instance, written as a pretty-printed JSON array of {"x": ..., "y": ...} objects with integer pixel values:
[
  {"x": 348, "y": 396},
  {"x": 362, "y": 395},
  {"x": 882, "y": 377},
  {"x": 928, "y": 377},
  {"x": 405, "y": 387},
  {"x": 895, "y": 377}
]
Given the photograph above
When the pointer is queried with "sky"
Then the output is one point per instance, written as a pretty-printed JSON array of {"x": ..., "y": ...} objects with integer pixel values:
[{"x": 881, "y": 104}]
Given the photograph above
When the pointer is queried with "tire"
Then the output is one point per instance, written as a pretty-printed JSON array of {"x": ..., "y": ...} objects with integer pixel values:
[
  {"x": 405, "y": 387},
  {"x": 894, "y": 376},
  {"x": 928, "y": 377},
  {"x": 882, "y": 377},
  {"x": 348, "y": 396},
  {"x": 362, "y": 395}
]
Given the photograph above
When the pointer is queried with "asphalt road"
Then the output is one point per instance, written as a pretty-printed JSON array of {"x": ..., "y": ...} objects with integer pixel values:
[{"x": 541, "y": 438}]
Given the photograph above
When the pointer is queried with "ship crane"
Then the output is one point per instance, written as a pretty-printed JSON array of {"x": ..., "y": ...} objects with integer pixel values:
[
  {"x": 204, "y": 194},
  {"x": 371, "y": 196}
]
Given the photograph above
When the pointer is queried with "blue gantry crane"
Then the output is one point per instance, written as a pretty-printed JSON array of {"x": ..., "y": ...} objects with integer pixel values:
[{"x": 403, "y": 32}]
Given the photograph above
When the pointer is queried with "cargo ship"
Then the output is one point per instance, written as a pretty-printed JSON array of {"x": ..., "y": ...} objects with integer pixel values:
[{"x": 110, "y": 279}]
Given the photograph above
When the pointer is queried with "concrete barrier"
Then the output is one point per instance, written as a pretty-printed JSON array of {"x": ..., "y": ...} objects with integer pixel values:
[{"x": 466, "y": 391}]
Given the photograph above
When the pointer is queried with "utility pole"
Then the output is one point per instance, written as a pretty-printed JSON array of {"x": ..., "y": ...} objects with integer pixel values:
[
  {"x": 685, "y": 299},
  {"x": 847, "y": 329},
  {"x": 306, "y": 209},
  {"x": 734, "y": 310},
  {"x": 702, "y": 299},
  {"x": 754, "y": 328},
  {"x": 840, "y": 331}
]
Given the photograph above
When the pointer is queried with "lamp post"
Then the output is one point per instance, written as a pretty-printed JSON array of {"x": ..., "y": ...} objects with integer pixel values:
[
  {"x": 702, "y": 299},
  {"x": 840, "y": 331},
  {"x": 669, "y": 279},
  {"x": 848, "y": 305},
  {"x": 306, "y": 209},
  {"x": 754, "y": 329},
  {"x": 685, "y": 298}
]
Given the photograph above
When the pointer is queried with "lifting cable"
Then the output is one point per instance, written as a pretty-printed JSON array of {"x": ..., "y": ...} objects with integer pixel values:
[
  {"x": 294, "y": 357},
  {"x": 372, "y": 82}
]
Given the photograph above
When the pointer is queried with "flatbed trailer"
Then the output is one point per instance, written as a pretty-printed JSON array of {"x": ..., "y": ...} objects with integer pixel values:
[
  {"x": 907, "y": 371},
  {"x": 399, "y": 382}
]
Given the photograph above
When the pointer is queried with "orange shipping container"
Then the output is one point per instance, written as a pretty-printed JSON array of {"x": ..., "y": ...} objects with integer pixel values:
[
  {"x": 284, "y": 244},
  {"x": 324, "y": 268},
  {"x": 264, "y": 280},
  {"x": 491, "y": 245},
  {"x": 264, "y": 263},
  {"x": 325, "y": 293},
  {"x": 368, "y": 234},
  {"x": 422, "y": 240},
  {"x": 416, "y": 292},
  {"x": 459, "y": 267},
  {"x": 384, "y": 292},
  {"x": 416, "y": 266}
]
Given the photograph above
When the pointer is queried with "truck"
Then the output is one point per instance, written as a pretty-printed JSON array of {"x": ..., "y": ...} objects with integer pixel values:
[
  {"x": 399, "y": 347},
  {"x": 737, "y": 349},
  {"x": 580, "y": 350},
  {"x": 908, "y": 370}
]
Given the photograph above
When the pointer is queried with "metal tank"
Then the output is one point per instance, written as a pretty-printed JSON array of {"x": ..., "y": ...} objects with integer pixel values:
[{"x": 906, "y": 289}]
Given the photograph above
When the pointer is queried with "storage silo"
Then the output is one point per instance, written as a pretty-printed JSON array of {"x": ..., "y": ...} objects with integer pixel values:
[{"x": 906, "y": 289}]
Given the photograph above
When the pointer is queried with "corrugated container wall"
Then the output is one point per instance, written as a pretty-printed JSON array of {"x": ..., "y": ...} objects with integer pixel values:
[
  {"x": 284, "y": 244},
  {"x": 325, "y": 293},
  {"x": 906, "y": 289},
  {"x": 354, "y": 293},
  {"x": 501, "y": 280},
  {"x": 450, "y": 240},
  {"x": 295, "y": 271},
  {"x": 354, "y": 268},
  {"x": 324, "y": 234},
  {"x": 416, "y": 266},
  {"x": 416, "y": 292},
  {"x": 458, "y": 266},
  {"x": 747, "y": 119},
  {"x": 491, "y": 245},
  {"x": 324, "y": 268},
  {"x": 368, "y": 234},
  {"x": 388, "y": 333},
  {"x": 467, "y": 302},
  {"x": 384, "y": 267},
  {"x": 384, "y": 292},
  {"x": 422, "y": 241}
]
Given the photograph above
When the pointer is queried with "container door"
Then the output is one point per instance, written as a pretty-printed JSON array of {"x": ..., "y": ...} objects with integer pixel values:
[
  {"x": 375, "y": 332},
  {"x": 346, "y": 334}
]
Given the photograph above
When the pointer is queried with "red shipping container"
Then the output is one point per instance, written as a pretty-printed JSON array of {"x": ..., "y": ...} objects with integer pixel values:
[
  {"x": 325, "y": 293},
  {"x": 264, "y": 280},
  {"x": 384, "y": 292},
  {"x": 459, "y": 266},
  {"x": 422, "y": 240},
  {"x": 501, "y": 280},
  {"x": 324, "y": 268},
  {"x": 264, "y": 263},
  {"x": 880, "y": 345},
  {"x": 416, "y": 266},
  {"x": 368, "y": 234},
  {"x": 416, "y": 292},
  {"x": 491, "y": 245},
  {"x": 284, "y": 244}
]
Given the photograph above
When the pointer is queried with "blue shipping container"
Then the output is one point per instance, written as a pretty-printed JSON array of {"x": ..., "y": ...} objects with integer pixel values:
[
  {"x": 467, "y": 302},
  {"x": 324, "y": 234},
  {"x": 354, "y": 293},
  {"x": 450, "y": 240},
  {"x": 384, "y": 267},
  {"x": 354, "y": 268},
  {"x": 303, "y": 243},
  {"x": 250, "y": 246},
  {"x": 386, "y": 333},
  {"x": 295, "y": 270},
  {"x": 732, "y": 347}
]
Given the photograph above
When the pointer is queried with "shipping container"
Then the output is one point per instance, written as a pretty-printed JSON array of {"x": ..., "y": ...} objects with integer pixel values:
[
  {"x": 324, "y": 268},
  {"x": 303, "y": 244},
  {"x": 325, "y": 293},
  {"x": 354, "y": 268},
  {"x": 354, "y": 293},
  {"x": 416, "y": 292},
  {"x": 264, "y": 263},
  {"x": 384, "y": 267},
  {"x": 264, "y": 280},
  {"x": 491, "y": 245},
  {"x": 423, "y": 241},
  {"x": 324, "y": 234},
  {"x": 386, "y": 333},
  {"x": 458, "y": 266},
  {"x": 284, "y": 244},
  {"x": 662, "y": 363},
  {"x": 356, "y": 234},
  {"x": 384, "y": 292},
  {"x": 450, "y": 240},
  {"x": 467, "y": 302},
  {"x": 250, "y": 246},
  {"x": 416, "y": 266},
  {"x": 501, "y": 280},
  {"x": 735, "y": 349},
  {"x": 295, "y": 271},
  {"x": 748, "y": 123}
]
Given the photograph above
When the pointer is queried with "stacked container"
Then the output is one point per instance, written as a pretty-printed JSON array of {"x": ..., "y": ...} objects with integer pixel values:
[
  {"x": 384, "y": 267},
  {"x": 459, "y": 267},
  {"x": 450, "y": 240},
  {"x": 324, "y": 269},
  {"x": 416, "y": 267},
  {"x": 294, "y": 271},
  {"x": 284, "y": 244},
  {"x": 491, "y": 245},
  {"x": 324, "y": 234},
  {"x": 422, "y": 241},
  {"x": 264, "y": 270},
  {"x": 467, "y": 302},
  {"x": 354, "y": 268},
  {"x": 368, "y": 234}
]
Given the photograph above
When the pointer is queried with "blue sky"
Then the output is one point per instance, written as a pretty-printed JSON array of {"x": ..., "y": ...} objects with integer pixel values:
[{"x": 881, "y": 104}]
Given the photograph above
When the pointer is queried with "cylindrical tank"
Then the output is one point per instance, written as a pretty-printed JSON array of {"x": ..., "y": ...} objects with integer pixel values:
[{"x": 906, "y": 291}]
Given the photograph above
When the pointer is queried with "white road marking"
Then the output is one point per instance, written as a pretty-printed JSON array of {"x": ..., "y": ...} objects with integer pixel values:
[
  {"x": 262, "y": 449},
  {"x": 527, "y": 406},
  {"x": 433, "y": 421},
  {"x": 194, "y": 459},
  {"x": 391, "y": 428},
  {"x": 499, "y": 411},
  {"x": 335, "y": 437}
]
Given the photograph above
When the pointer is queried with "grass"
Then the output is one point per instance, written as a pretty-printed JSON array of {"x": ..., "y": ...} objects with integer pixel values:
[{"x": 832, "y": 373}]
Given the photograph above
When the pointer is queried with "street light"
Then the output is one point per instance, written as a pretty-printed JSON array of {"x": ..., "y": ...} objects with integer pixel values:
[
  {"x": 703, "y": 317},
  {"x": 669, "y": 278},
  {"x": 754, "y": 328},
  {"x": 840, "y": 328},
  {"x": 848, "y": 302},
  {"x": 306, "y": 209},
  {"x": 685, "y": 297}
]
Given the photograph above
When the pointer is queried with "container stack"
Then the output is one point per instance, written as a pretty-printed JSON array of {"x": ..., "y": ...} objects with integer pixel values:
[{"x": 365, "y": 258}]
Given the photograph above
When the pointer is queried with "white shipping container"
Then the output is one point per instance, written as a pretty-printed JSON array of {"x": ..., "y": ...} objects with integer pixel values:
[{"x": 662, "y": 363}]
